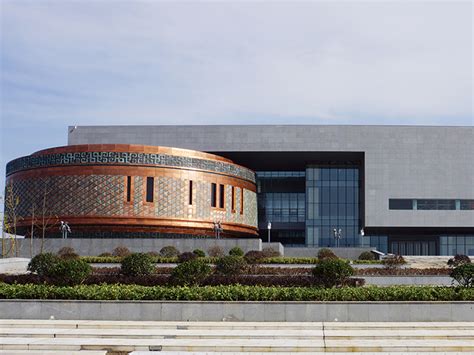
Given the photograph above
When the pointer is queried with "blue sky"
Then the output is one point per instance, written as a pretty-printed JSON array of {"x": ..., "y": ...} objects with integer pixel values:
[{"x": 116, "y": 62}]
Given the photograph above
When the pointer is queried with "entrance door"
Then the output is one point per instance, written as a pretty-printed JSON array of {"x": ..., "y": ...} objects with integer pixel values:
[{"x": 413, "y": 247}]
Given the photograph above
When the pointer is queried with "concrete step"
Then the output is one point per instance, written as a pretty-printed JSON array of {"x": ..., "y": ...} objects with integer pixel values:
[{"x": 71, "y": 336}]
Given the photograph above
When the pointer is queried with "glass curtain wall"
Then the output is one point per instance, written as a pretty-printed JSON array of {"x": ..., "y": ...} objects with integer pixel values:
[
  {"x": 281, "y": 201},
  {"x": 332, "y": 203},
  {"x": 456, "y": 244}
]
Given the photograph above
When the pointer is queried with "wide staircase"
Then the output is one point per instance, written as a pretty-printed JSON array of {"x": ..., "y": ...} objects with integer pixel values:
[{"x": 123, "y": 337}]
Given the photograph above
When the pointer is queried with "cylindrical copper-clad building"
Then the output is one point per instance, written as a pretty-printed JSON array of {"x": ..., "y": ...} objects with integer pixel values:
[{"x": 133, "y": 191}]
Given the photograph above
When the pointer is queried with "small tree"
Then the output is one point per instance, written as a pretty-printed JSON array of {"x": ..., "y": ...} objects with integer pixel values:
[
  {"x": 464, "y": 274},
  {"x": 46, "y": 218},
  {"x": 230, "y": 265},
  {"x": 191, "y": 272},
  {"x": 137, "y": 264},
  {"x": 11, "y": 218},
  {"x": 332, "y": 272}
]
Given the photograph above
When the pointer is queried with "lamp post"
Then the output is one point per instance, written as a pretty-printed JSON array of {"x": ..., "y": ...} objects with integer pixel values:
[
  {"x": 217, "y": 229},
  {"x": 65, "y": 229},
  {"x": 269, "y": 227},
  {"x": 337, "y": 235}
]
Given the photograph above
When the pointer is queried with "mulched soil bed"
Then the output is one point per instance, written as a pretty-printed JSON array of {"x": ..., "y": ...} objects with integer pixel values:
[{"x": 256, "y": 270}]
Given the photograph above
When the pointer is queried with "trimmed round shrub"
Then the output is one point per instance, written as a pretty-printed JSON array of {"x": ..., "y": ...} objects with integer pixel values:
[
  {"x": 254, "y": 257},
  {"x": 70, "y": 271},
  {"x": 43, "y": 264},
  {"x": 67, "y": 253},
  {"x": 464, "y": 274},
  {"x": 105, "y": 255},
  {"x": 326, "y": 253},
  {"x": 236, "y": 251},
  {"x": 393, "y": 261},
  {"x": 121, "y": 251},
  {"x": 332, "y": 272},
  {"x": 458, "y": 260},
  {"x": 191, "y": 272},
  {"x": 186, "y": 256},
  {"x": 215, "y": 251},
  {"x": 137, "y": 264},
  {"x": 230, "y": 265},
  {"x": 169, "y": 251},
  {"x": 270, "y": 253},
  {"x": 200, "y": 253},
  {"x": 367, "y": 255}
]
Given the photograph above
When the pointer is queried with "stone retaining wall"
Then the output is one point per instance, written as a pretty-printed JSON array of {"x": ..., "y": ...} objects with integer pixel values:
[
  {"x": 86, "y": 246},
  {"x": 239, "y": 311}
]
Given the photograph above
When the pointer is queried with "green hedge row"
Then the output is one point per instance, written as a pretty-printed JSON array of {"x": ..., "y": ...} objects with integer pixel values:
[
  {"x": 212, "y": 260},
  {"x": 235, "y": 293}
]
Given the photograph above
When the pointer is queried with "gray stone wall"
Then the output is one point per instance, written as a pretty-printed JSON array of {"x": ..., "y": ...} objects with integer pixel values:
[
  {"x": 400, "y": 161},
  {"x": 346, "y": 253},
  {"x": 239, "y": 311},
  {"x": 86, "y": 246}
]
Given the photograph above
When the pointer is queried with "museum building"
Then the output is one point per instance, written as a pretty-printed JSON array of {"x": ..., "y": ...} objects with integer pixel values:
[
  {"x": 402, "y": 189},
  {"x": 122, "y": 190}
]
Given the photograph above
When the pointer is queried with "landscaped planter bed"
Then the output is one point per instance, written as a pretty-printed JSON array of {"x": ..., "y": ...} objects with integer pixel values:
[
  {"x": 163, "y": 280},
  {"x": 268, "y": 270},
  {"x": 212, "y": 260},
  {"x": 235, "y": 293}
]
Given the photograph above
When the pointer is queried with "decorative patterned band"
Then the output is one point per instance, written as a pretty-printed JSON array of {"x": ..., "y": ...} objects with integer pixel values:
[{"x": 124, "y": 158}]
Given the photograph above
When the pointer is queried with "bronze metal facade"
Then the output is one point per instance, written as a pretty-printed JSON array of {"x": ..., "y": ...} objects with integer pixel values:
[{"x": 113, "y": 190}]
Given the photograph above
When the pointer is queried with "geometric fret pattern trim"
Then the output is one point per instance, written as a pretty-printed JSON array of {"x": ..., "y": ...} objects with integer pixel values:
[{"x": 124, "y": 158}]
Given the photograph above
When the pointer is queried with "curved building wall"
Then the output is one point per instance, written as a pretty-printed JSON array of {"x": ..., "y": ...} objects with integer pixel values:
[{"x": 134, "y": 190}]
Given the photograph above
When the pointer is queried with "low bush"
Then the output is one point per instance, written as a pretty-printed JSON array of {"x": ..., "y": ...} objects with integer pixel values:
[
  {"x": 402, "y": 272},
  {"x": 153, "y": 254},
  {"x": 70, "y": 271},
  {"x": 169, "y": 251},
  {"x": 254, "y": 257},
  {"x": 137, "y": 264},
  {"x": 186, "y": 256},
  {"x": 367, "y": 255},
  {"x": 236, "y": 251},
  {"x": 270, "y": 253},
  {"x": 326, "y": 253},
  {"x": 464, "y": 274},
  {"x": 200, "y": 253},
  {"x": 43, "y": 264},
  {"x": 393, "y": 261},
  {"x": 121, "y": 251},
  {"x": 458, "y": 259},
  {"x": 332, "y": 272},
  {"x": 236, "y": 293},
  {"x": 191, "y": 272},
  {"x": 230, "y": 265},
  {"x": 215, "y": 251},
  {"x": 67, "y": 253},
  {"x": 105, "y": 255}
]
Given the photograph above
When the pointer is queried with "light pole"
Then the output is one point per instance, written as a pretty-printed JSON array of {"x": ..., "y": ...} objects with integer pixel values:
[
  {"x": 65, "y": 229},
  {"x": 217, "y": 229},
  {"x": 269, "y": 227},
  {"x": 337, "y": 235}
]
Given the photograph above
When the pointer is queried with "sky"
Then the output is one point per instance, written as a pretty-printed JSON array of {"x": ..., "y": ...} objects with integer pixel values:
[{"x": 173, "y": 62}]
